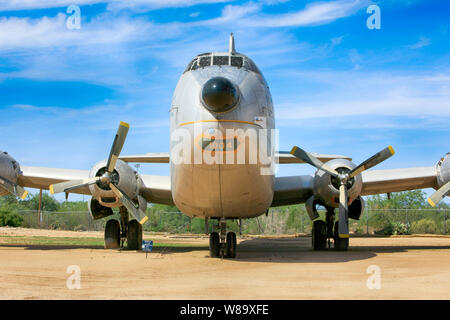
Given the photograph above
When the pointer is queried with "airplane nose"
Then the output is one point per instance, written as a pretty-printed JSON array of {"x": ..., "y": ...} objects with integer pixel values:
[{"x": 219, "y": 94}]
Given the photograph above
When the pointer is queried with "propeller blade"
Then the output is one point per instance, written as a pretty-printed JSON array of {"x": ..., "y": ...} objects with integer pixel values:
[
  {"x": 12, "y": 188},
  {"x": 138, "y": 214},
  {"x": 71, "y": 185},
  {"x": 439, "y": 194},
  {"x": 117, "y": 146},
  {"x": 373, "y": 161},
  {"x": 343, "y": 212},
  {"x": 309, "y": 158}
]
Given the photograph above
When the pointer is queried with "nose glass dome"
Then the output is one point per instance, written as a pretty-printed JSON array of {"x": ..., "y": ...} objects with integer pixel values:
[{"x": 219, "y": 94}]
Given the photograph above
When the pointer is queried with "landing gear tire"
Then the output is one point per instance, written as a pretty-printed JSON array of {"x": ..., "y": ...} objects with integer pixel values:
[
  {"x": 340, "y": 244},
  {"x": 134, "y": 235},
  {"x": 319, "y": 235},
  {"x": 214, "y": 245},
  {"x": 112, "y": 234},
  {"x": 231, "y": 245}
]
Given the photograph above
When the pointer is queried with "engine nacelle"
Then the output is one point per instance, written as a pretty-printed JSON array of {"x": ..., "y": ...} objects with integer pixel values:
[
  {"x": 97, "y": 210},
  {"x": 356, "y": 209},
  {"x": 443, "y": 170},
  {"x": 124, "y": 177},
  {"x": 326, "y": 188},
  {"x": 9, "y": 169}
]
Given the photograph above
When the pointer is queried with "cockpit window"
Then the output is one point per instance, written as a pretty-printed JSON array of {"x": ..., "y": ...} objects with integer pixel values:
[
  {"x": 250, "y": 65},
  {"x": 190, "y": 65},
  {"x": 221, "y": 60},
  {"x": 205, "y": 61},
  {"x": 194, "y": 65},
  {"x": 236, "y": 62}
]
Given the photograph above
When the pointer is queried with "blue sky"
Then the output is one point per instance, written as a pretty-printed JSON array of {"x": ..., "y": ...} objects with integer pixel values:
[{"x": 337, "y": 86}]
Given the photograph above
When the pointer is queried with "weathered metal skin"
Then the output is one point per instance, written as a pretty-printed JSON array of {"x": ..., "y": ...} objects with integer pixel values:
[
  {"x": 128, "y": 181},
  {"x": 221, "y": 189},
  {"x": 327, "y": 192},
  {"x": 9, "y": 169}
]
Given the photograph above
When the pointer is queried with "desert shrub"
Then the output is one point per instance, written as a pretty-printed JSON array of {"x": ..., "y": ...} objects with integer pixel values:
[
  {"x": 424, "y": 226},
  {"x": 401, "y": 228},
  {"x": 80, "y": 228},
  {"x": 395, "y": 228},
  {"x": 9, "y": 218},
  {"x": 359, "y": 230}
]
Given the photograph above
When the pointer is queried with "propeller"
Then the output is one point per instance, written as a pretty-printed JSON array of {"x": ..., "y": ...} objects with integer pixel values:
[
  {"x": 439, "y": 194},
  {"x": 106, "y": 178},
  {"x": 136, "y": 212},
  {"x": 343, "y": 178},
  {"x": 13, "y": 188}
]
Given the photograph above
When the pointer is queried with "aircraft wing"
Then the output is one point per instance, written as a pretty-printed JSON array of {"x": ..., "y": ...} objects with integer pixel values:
[
  {"x": 42, "y": 178},
  {"x": 285, "y": 157},
  {"x": 297, "y": 189},
  {"x": 292, "y": 190},
  {"x": 160, "y": 157},
  {"x": 157, "y": 188},
  {"x": 282, "y": 157},
  {"x": 395, "y": 180}
]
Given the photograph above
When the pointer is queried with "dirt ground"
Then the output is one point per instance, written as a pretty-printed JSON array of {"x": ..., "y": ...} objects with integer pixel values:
[{"x": 282, "y": 267}]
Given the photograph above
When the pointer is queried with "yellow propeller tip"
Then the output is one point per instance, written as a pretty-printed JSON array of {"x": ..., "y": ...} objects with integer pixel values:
[
  {"x": 431, "y": 202},
  {"x": 51, "y": 189},
  {"x": 124, "y": 124},
  {"x": 144, "y": 220},
  {"x": 293, "y": 150},
  {"x": 24, "y": 195},
  {"x": 391, "y": 150}
]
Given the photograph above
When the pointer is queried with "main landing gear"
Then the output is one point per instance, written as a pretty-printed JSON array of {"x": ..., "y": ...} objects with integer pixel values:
[
  {"x": 117, "y": 232},
  {"x": 222, "y": 244},
  {"x": 324, "y": 231}
]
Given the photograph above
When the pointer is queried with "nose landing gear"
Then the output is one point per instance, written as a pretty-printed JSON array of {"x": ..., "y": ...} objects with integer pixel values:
[{"x": 224, "y": 244}]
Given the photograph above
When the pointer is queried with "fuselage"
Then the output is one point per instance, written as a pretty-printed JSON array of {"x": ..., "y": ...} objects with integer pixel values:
[{"x": 214, "y": 172}]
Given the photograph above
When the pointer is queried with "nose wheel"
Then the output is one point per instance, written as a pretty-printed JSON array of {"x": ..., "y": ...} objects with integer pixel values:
[{"x": 222, "y": 244}]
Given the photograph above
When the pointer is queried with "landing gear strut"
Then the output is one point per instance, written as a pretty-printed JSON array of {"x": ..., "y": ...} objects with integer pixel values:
[
  {"x": 117, "y": 232},
  {"x": 222, "y": 244}
]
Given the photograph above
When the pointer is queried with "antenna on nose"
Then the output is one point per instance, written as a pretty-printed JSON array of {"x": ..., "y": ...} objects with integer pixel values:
[{"x": 231, "y": 48}]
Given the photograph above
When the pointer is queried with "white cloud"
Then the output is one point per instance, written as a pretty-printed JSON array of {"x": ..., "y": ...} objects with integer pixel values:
[
  {"x": 23, "y": 33},
  {"x": 316, "y": 13},
  {"x": 14, "y": 5},
  {"x": 348, "y": 94},
  {"x": 423, "y": 42}
]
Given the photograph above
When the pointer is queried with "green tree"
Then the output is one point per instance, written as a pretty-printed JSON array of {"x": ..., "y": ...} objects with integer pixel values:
[
  {"x": 49, "y": 203},
  {"x": 9, "y": 217}
]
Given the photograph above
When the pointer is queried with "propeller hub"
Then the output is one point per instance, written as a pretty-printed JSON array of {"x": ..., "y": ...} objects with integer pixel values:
[{"x": 342, "y": 178}]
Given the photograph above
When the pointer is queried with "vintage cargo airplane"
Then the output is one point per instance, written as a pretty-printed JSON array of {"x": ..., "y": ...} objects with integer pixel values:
[{"x": 221, "y": 165}]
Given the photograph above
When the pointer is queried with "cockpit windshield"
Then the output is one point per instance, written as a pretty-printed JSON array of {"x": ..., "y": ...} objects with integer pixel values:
[{"x": 211, "y": 59}]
